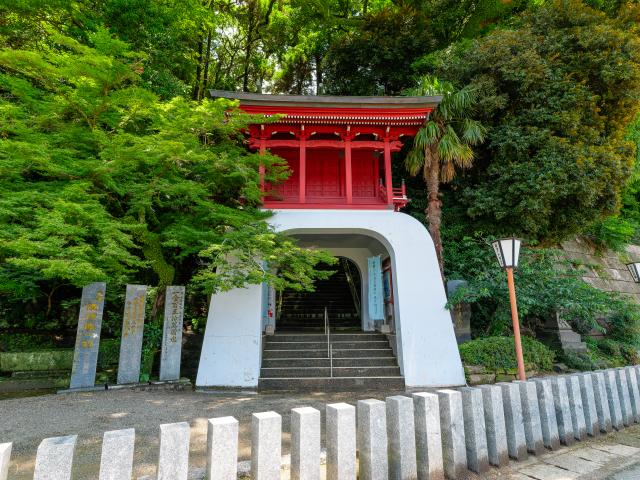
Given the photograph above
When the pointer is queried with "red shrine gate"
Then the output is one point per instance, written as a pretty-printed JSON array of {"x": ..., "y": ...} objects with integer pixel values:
[
  {"x": 382, "y": 311},
  {"x": 337, "y": 148}
]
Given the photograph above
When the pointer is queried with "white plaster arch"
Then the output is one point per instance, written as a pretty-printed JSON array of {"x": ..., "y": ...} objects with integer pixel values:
[
  {"x": 426, "y": 345},
  {"x": 427, "y": 349}
]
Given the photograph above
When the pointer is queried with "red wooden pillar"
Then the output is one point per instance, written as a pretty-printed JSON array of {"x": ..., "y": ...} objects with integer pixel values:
[
  {"x": 302, "y": 167},
  {"x": 387, "y": 171},
  {"x": 348, "y": 175},
  {"x": 262, "y": 148}
]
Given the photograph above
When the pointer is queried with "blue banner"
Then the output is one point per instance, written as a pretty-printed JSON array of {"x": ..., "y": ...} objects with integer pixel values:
[{"x": 376, "y": 293}]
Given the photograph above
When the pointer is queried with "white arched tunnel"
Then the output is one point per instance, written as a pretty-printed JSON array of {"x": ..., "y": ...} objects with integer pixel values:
[{"x": 426, "y": 344}]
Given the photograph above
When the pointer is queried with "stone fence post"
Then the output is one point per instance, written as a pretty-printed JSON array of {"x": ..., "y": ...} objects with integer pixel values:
[
  {"x": 305, "y": 444},
  {"x": 54, "y": 458},
  {"x": 341, "y": 441},
  {"x": 173, "y": 459},
  {"x": 116, "y": 461},
  {"x": 5, "y": 455},
  {"x": 266, "y": 446},
  {"x": 222, "y": 448}
]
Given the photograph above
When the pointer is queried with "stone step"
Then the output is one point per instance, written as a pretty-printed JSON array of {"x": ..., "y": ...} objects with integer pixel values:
[
  {"x": 297, "y": 372},
  {"x": 337, "y": 345},
  {"x": 324, "y": 362},
  {"x": 319, "y": 337},
  {"x": 323, "y": 384},
  {"x": 322, "y": 352}
]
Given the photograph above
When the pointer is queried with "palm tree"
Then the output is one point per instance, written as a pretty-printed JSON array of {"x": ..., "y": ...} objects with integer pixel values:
[{"x": 443, "y": 145}]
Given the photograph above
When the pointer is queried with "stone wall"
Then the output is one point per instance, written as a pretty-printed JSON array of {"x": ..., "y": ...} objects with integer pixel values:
[{"x": 605, "y": 270}]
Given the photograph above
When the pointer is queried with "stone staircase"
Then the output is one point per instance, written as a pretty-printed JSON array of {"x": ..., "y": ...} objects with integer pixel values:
[
  {"x": 300, "y": 362},
  {"x": 304, "y": 311}
]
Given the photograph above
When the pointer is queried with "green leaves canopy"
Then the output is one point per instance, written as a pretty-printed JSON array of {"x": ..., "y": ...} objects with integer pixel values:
[
  {"x": 99, "y": 180},
  {"x": 557, "y": 91}
]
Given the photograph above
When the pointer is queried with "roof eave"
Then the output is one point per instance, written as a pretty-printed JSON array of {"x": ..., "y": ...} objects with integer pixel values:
[{"x": 328, "y": 101}]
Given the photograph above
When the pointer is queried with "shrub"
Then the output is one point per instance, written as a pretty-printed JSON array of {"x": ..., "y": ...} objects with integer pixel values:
[
  {"x": 109, "y": 353},
  {"x": 23, "y": 342},
  {"x": 601, "y": 353},
  {"x": 584, "y": 361},
  {"x": 498, "y": 354}
]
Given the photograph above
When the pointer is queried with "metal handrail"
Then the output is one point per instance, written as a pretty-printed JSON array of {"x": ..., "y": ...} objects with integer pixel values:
[
  {"x": 331, "y": 361},
  {"x": 326, "y": 329}
]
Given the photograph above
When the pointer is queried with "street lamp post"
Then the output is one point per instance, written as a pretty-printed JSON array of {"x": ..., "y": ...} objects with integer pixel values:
[{"x": 508, "y": 250}]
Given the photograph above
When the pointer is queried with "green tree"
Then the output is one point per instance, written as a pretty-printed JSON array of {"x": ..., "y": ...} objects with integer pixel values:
[
  {"x": 443, "y": 145},
  {"x": 100, "y": 180},
  {"x": 556, "y": 91}
]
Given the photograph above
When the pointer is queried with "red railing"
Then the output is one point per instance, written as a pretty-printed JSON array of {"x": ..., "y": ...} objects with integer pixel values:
[{"x": 398, "y": 196}]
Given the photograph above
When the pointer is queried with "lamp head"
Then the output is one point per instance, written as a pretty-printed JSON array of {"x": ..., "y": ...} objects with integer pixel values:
[{"x": 508, "y": 252}]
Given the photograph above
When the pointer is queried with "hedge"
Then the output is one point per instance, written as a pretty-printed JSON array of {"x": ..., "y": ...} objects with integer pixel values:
[{"x": 497, "y": 354}]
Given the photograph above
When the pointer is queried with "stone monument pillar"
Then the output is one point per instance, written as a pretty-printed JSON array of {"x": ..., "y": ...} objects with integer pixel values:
[
  {"x": 132, "y": 332},
  {"x": 172, "y": 334},
  {"x": 85, "y": 357}
]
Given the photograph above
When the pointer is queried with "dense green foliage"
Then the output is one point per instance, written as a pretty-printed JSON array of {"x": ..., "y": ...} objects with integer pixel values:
[
  {"x": 601, "y": 354},
  {"x": 558, "y": 92},
  {"x": 114, "y": 166},
  {"x": 546, "y": 283},
  {"x": 102, "y": 181},
  {"x": 497, "y": 354}
]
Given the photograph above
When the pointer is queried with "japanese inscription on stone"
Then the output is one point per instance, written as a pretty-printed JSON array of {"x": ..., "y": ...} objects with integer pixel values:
[
  {"x": 172, "y": 334},
  {"x": 85, "y": 357},
  {"x": 132, "y": 332}
]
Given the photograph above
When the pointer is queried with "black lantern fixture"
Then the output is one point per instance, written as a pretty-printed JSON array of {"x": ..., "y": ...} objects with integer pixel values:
[
  {"x": 634, "y": 270},
  {"x": 507, "y": 250}
]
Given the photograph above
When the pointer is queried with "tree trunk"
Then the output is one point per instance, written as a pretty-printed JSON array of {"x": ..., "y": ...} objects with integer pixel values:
[
  {"x": 247, "y": 48},
  {"x": 207, "y": 58},
  {"x": 318, "y": 58},
  {"x": 196, "y": 85},
  {"x": 434, "y": 207}
]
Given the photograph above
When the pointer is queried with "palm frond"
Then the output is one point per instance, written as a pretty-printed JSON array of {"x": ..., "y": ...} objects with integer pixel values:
[
  {"x": 473, "y": 131},
  {"x": 449, "y": 144},
  {"x": 447, "y": 172},
  {"x": 414, "y": 161}
]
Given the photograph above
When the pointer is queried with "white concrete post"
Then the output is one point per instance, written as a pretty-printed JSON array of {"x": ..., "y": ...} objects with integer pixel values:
[
  {"x": 428, "y": 436},
  {"x": 5, "y": 455},
  {"x": 531, "y": 417},
  {"x": 623, "y": 394},
  {"x": 615, "y": 408},
  {"x": 402, "y": 438},
  {"x": 576, "y": 407},
  {"x": 495, "y": 425},
  {"x": 548, "y": 419},
  {"x": 341, "y": 441},
  {"x": 222, "y": 448},
  {"x": 305, "y": 444},
  {"x": 173, "y": 460},
  {"x": 266, "y": 446},
  {"x": 563, "y": 415},
  {"x": 116, "y": 461},
  {"x": 372, "y": 440},
  {"x": 602, "y": 401},
  {"x": 54, "y": 458},
  {"x": 589, "y": 404},
  {"x": 454, "y": 450},
  {"x": 475, "y": 433},
  {"x": 634, "y": 392},
  {"x": 516, "y": 440}
]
